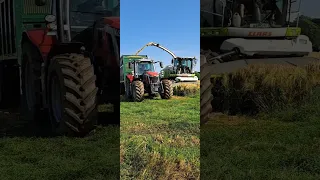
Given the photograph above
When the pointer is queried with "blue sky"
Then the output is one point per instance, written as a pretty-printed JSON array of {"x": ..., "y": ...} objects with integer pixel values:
[{"x": 174, "y": 24}]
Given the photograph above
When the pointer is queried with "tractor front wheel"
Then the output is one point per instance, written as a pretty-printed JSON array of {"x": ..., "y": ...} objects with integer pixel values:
[
  {"x": 72, "y": 95},
  {"x": 137, "y": 91},
  {"x": 167, "y": 89}
]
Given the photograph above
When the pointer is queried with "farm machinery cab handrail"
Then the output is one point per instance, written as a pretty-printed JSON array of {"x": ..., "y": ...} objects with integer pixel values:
[
  {"x": 181, "y": 68},
  {"x": 138, "y": 76}
]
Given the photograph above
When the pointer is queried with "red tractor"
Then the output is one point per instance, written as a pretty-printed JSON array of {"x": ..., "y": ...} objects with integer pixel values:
[
  {"x": 67, "y": 54},
  {"x": 143, "y": 79}
]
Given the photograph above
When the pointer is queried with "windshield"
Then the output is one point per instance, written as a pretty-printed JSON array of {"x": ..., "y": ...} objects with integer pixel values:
[
  {"x": 141, "y": 67},
  {"x": 262, "y": 13},
  {"x": 184, "y": 62},
  {"x": 83, "y": 13}
]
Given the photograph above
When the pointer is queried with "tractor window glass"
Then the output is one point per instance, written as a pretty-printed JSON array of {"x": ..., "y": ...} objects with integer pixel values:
[
  {"x": 144, "y": 66},
  {"x": 83, "y": 13},
  {"x": 110, "y": 44},
  {"x": 118, "y": 42}
]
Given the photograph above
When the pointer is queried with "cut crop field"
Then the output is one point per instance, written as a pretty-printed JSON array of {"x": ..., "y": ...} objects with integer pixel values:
[
  {"x": 247, "y": 148},
  {"x": 25, "y": 157},
  {"x": 279, "y": 140},
  {"x": 160, "y": 139}
]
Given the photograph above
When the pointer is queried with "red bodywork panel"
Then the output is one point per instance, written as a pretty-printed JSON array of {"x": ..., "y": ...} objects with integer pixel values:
[
  {"x": 152, "y": 74},
  {"x": 112, "y": 21},
  {"x": 130, "y": 77},
  {"x": 40, "y": 39}
]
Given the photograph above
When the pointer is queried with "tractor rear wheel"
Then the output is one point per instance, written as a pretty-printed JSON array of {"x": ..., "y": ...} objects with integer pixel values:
[
  {"x": 167, "y": 89},
  {"x": 71, "y": 85},
  {"x": 137, "y": 91},
  {"x": 128, "y": 93},
  {"x": 31, "y": 83}
]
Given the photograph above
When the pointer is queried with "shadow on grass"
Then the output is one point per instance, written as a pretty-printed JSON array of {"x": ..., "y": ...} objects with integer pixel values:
[{"x": 13, "y": 125}]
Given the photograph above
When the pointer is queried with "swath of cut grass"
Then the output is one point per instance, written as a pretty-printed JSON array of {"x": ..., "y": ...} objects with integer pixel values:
[
  {"x": 186, "y": 89},
  {"x": 264, "y": 87}
]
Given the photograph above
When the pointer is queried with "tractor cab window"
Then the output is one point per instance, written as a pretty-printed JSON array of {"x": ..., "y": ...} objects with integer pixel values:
[
  {"x": 83, "y": 13},
  {"x": 144, "y": 66}
]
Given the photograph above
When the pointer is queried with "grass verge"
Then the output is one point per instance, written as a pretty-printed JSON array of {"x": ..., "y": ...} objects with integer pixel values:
[{"x": 160, "y": 139}]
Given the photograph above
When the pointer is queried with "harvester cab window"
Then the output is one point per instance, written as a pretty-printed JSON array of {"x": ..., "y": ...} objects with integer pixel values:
[
  {"x": 245, "y": 13},
  {"x": 183, "y": 62}
]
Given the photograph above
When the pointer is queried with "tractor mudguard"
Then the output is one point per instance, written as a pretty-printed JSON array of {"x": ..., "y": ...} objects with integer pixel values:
[
  {"x": 130, "y": 77},
  {"x": 41, "y": 40}
]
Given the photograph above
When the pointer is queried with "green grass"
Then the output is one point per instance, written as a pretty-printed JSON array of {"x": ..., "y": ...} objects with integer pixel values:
[
  {"x": 278, "y": 145},
  {"x": 94, "y": 157},
  {"x": 160, "y": 139}
]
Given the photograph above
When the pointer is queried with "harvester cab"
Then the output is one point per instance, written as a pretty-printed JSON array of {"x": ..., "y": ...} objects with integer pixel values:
[
  {"x": 181, "y": 68},
  {"x": 67, "y": 52},
  {"x": 140, "y": 77},
  {"x": 236, "y": 29},
  {"x": 237, "y": 33}
]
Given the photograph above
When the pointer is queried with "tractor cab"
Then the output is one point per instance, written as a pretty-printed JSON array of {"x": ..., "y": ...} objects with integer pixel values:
[{"x": 143, "y": 68}]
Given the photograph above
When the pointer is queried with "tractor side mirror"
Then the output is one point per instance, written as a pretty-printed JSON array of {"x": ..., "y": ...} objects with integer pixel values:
[
  {"x": 130, "y": 65},
  {"x": 161, "y": 65},
  {"x": 40, "y": 2},
  {"x": 171, "y": 61}
]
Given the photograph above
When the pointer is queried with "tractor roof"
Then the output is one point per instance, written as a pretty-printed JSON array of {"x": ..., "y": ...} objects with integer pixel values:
[{"x": 186, "y": 58}]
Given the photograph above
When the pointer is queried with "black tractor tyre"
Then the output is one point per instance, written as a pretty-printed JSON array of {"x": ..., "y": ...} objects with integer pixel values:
[
  {"x": 167, "y": 89},
  {"x": 72, "y": 95},
  {"x": 137, "y": 91},
  {"x": 122, "y": 89},
  {"x": 31, "y": 98},
  {"x": 128, "y": 93}
]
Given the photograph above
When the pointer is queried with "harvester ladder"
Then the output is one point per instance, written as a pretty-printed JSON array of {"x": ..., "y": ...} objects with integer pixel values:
[{"x": 295, "y": 11}]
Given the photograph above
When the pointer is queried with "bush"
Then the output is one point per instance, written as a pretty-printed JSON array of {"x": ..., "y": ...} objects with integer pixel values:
[
  {"x": 186, "y": 89},
  {"x": 263, "y": 88}
]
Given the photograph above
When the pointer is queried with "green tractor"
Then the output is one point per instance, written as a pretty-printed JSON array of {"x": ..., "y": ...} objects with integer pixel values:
[
  {"x": 181, "y": 68},
  {"x": 61, "y": 57},
  {"x": 138, "y": 76}
]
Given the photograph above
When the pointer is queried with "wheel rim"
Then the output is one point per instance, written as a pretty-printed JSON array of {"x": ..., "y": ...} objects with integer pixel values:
[
  {"x": 56, "y": 102},
  {"x": 29, "y": 90}
]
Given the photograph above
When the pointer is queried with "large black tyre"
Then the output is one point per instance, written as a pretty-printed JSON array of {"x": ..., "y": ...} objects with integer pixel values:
[
  {"x": 128, "y": 93},
  {"x": 137, "y": 91},
  {"x": 72, "y": 95},
  {"x": 31, "y": 98},
  {"x": 167, "y": 89}
]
